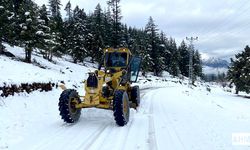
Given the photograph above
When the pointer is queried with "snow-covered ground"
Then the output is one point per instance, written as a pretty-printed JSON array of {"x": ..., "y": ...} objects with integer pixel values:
[{"x": 171, "y": 115}]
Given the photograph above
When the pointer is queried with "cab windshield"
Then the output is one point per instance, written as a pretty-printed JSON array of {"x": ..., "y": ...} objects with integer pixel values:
[{"x": 115, "y": 59}]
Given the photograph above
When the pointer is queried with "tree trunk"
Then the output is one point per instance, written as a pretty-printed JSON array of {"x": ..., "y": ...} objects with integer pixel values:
[
  {"x": 74, "y": 60},
  {"x": 1, "y": 47},
  {"x": 237, "y": 92},
  {"x": 155, "y": 72},
  {"x": 50, "y": 55},
  {"x": 143, "y": 73},
  {"x": 28, "y": 55}
]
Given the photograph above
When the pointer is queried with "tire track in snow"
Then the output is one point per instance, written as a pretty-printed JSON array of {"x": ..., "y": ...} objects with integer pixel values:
[
  {"x": 91, "y": 140},
  {"x": 145, "y": 89},
  {"x": 56, "y": 138},
  {"x": 175, "y": 141},
  {"x": 171, "y": 129},
  {"x": 127, "y": 133},
  {"x": 151, "y": 129},
  {"x": 146, "y": 108},
  {"x": 97, "y": 136},
  {"x": 71, "y": 134},
  {"x": 98, "y": 139},
  {"x": 121, "y": 137},
  {"x": 102, "y": 139},
  {"x": 81, "y": 139},
  {"x": 51, "y": 138}
]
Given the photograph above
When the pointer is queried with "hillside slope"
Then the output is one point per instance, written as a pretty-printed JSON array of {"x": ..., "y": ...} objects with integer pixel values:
[{"x": 41, "y": 70}]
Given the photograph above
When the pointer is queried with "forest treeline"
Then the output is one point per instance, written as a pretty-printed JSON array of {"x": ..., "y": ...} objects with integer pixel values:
[{"x": 81, "y": 35}]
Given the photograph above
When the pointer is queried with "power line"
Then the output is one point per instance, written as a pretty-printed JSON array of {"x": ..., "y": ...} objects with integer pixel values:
[
  {"x": 227, "y": 20},
  {"x": 227, "y": 28}
]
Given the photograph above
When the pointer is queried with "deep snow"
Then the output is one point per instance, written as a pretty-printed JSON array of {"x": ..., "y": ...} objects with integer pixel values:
[{"x": 171, "y": 115}]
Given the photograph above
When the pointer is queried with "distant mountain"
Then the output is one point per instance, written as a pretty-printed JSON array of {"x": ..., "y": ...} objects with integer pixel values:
[{"x": 215, "y": 63}]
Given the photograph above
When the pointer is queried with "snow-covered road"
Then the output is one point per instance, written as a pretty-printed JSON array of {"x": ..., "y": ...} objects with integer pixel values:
[{"x": 174, "y": 117}]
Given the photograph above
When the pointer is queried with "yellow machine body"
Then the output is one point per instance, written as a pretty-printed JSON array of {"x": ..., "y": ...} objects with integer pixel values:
[{"x": 94, "y": 96}]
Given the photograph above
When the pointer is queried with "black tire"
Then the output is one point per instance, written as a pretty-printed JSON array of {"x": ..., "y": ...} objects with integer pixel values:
[
  {"x": 135, "y": 95},
  {"x": 68, "y": 113},
  {"x": 121, "y": 107}
]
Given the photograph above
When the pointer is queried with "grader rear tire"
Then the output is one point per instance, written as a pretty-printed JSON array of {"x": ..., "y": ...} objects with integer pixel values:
[
  {"x": 121, "y": 107},
  {"x": 66, "y": 103},
  {"x": 135, "y": 95}
]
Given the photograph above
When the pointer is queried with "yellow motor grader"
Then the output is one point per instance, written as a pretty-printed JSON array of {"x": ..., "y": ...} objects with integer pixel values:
[{"x": 109, "y": 87}]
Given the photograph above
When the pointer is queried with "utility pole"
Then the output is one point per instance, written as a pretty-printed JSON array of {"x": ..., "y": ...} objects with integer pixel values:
[{"x": 191, "y": 49}]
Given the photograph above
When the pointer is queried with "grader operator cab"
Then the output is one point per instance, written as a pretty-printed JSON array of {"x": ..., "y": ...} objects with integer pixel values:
[{"x": 109, "y": 87}]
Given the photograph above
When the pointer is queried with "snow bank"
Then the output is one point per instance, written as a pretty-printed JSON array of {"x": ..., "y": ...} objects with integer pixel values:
[{"x": 16, "y": 72}]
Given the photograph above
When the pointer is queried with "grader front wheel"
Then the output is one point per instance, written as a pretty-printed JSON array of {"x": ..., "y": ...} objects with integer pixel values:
[
  {"x": 66, "y": 104},
  {"x": 121, "y": 108}
]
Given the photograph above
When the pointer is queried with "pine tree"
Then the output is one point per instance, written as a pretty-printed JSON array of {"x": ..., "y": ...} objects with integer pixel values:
[
  {"x": 43, "y": 14},
  {"x": 17, "y": 4},
  {"x": 28, "y": 27},
  {"x": 137, "y": 45},
  {"x": 43, "y": 35},
  {"x": 124, "y": 36},
  {"x": 3, "y": 22},
  {"x": 7, "y": 18},
  {"x": 107, "y": 23},
  {"x": 98, "y": 33},
  {"x": 90, "y": 39},
  {"x": 75, "y": 35},
  {"x": 56, "y": 26},
  {"x": 68, "y": 27},
  {"x": 184, "y": 59},
  {"x": 197, "y": 65},
  {"x": 133, "y": 40},
  {"x": 55, "y": 8},
  {"x": 116, "y": 22},
  {"x": 164, "y": 52},
  {"x": 79, "y": 52},
  {"x": 152, "y": 47},
  {"x": 238, "y": 73},
  {"x": 175, "y": 58},
  {"x": 140, "y": 48},
  {"x": 68, "y": 11}
]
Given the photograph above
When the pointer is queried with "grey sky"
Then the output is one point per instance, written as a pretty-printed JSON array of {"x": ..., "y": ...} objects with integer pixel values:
[{"x": 221, "y": 25}]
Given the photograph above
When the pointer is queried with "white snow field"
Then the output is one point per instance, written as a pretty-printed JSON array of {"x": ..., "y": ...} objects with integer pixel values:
[{"x": 171, "y": 115}]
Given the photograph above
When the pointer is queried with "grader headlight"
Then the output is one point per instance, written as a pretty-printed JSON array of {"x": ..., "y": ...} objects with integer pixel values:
[{"x": 92, "y": 91}]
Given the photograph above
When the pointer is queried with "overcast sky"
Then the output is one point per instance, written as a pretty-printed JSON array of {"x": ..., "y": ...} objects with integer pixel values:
[{"x": 223, "y": 26}]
